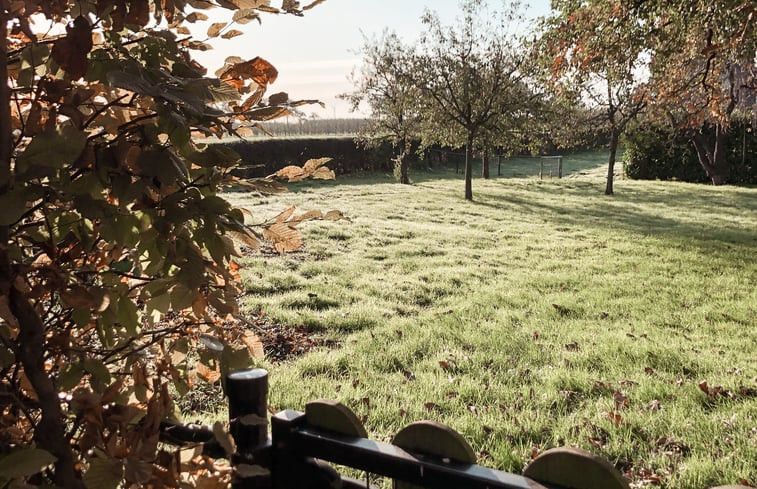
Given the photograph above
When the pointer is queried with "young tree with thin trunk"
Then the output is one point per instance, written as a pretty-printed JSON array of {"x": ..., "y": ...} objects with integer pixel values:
[
  {"x": 382, "y": 83},
  {"x": 469, "y": 76},
  {"x": 592, "y": 52}
]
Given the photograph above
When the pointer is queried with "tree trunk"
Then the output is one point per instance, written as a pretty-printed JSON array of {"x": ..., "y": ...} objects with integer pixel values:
[
  {"x": 49, "y": 434},
  {"x": 485, "y": 164},
  {"x": 469, "y": 168},
  {"x": 711, "y": 155},
  {"x": 614, "y": 138},
  {"x": 401, "y": 163}
]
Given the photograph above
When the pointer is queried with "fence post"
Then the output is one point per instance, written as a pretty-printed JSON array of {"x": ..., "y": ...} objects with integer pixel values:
[
  {"x": 541, "y": 169},
  {"x": 247, "y": 391},
  {"x": 559, "y": 167},
  {"x": 499, "y": 165}
]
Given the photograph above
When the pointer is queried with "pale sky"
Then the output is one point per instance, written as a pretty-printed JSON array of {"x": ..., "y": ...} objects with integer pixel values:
[{"x": 315, "y": 54}]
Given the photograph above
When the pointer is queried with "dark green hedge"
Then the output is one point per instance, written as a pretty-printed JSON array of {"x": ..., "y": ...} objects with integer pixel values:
[
  {"x": 266, "y": 156},
  {"x": 660, "y": 153}
]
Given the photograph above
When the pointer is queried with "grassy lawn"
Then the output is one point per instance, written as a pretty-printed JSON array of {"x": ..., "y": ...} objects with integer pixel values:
[{"x": 541, "y": 314}]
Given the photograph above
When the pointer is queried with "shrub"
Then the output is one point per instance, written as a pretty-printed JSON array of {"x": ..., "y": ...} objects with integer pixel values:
[{"x": 655, "y": 152}]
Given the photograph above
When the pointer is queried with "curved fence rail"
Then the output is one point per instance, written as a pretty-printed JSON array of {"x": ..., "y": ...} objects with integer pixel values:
[{"x": 423, "y": 454}]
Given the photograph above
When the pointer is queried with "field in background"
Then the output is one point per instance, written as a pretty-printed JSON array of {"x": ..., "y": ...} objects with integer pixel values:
[
  {"x": 575, "y": 164},
  {"x": 541, "y": 314}
]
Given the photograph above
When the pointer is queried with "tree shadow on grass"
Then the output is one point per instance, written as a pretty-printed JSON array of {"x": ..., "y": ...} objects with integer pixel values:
[{"x": 713, "y": 218}]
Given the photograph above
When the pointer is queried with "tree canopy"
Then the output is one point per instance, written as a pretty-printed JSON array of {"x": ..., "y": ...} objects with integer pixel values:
[
  {"x": 470, "y": 79},
  {"x": 689, "y": 64},
  {"x": 383, "y": 83}
]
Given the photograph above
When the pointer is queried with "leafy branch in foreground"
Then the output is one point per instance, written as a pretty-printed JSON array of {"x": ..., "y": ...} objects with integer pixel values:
[{"x": 117, "y": 280}]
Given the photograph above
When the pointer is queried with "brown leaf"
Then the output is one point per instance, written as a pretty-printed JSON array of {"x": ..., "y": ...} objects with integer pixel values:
[
  {"x": 621, "y": 401},
  {"x": 444, "y": 364},
  {"x": 267, "y": 113},
  {"x": 334, "y": 215},
  {"x": 313, "y": 164},
  {"x": 207, "y": 374},
  {"x": 284, "y": 237},
  {"x": 323, "y": 174},
  {"x": 431, "y": 406},
  {"x": 278, "y": 99},
  {"x": 199, "y": 46},
  {"x": 224, "y": 439},
  {"x": 262, "y": 185},
  {"x": 79, "y": 297},
  {"x": 216, "y": 28},
  {"x": 257, "y": 69},
  {"x": 231, "y": 33},
  {"x": 246, "y": 237},
  {"x": 286, "y": 214},
  {"x": 70, "y": 52},
  {"x": 312, "y": 4},
  {"x": 252, "y": 100},
  {"x": 139, "y": 13},
  {"x": 253, "y": 343},
  {"x": 616, "y": 418},
  {"x": 195, "y": 16},
  {"x": 292, "y": 173},
  {"x": 307, "y": 216}
]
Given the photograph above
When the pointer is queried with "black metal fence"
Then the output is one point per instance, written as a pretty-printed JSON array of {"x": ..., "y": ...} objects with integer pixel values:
[{"x": 293, "y": 455}]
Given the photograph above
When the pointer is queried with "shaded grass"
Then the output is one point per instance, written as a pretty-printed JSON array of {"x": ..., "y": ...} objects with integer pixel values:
[{"x": 517, "y": 318}]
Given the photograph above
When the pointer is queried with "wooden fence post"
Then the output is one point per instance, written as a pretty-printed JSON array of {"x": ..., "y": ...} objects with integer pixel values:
[
  {"x": 247, "y": 391},
  {"x": 559, "y": 167}
]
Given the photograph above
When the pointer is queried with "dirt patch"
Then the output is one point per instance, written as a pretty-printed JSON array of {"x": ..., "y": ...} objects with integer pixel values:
[{"x": 284, "y": 342}]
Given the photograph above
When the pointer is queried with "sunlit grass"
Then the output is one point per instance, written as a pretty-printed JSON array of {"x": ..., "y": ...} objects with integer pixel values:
[{"x": 521, "y": 315}]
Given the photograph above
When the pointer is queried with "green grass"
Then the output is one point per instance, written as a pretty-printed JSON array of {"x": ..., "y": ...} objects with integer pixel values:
[{"x": 521, "y": 314}]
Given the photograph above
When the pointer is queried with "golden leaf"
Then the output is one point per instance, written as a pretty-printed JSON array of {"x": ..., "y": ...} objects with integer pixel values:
[
  {"x": 195, "y": 16},
  {"x": 315, "y": 163},
  {"x": 334, "y": 215},
  {"x": 231, "y": 33},
  {"x": 286, "y": 214},
  {"x": 224, "y": 439},
  {"x": 323, "y": 174},
  {"x": 307, "y": 216},
  {"x": 292, "y": 173},
  {"x": 246, "y": 237},
  {"x": 215, "y": 28},
  {"x": 253, "y": 343},
  {"x": 207, "y": 374},
  {"x": 284, "y": 237},
  {"x": 312, "y": 4}
]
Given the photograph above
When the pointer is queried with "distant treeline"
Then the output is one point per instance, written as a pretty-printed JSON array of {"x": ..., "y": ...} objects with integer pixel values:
[{"x": 294, "y": 127}]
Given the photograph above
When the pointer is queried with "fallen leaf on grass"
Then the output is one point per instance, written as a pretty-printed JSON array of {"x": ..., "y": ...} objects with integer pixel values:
[
  {"x": 621, "y": 401},
  {"x": 572, "y": 346}
]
